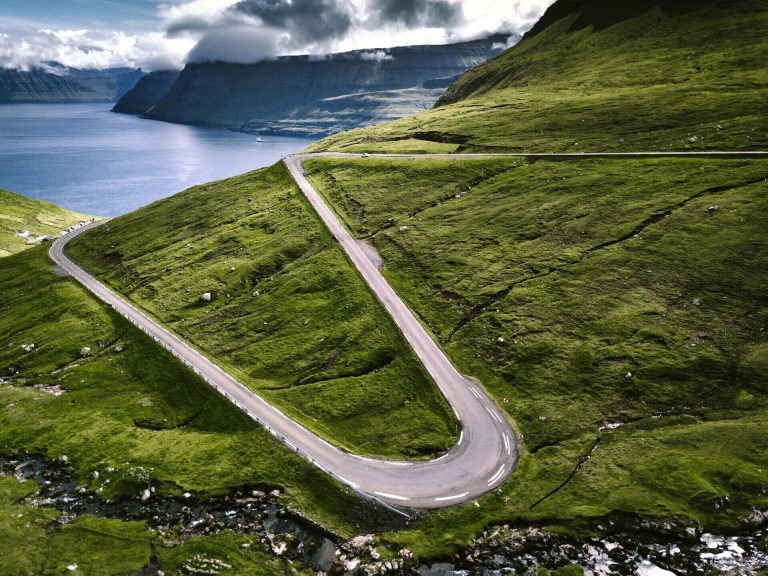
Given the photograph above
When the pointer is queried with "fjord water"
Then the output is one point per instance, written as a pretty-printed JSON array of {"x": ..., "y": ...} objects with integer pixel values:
[{"x": 88, "y": 159}]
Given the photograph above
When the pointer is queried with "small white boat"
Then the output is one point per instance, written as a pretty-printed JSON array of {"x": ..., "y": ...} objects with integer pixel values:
[{"x": 258, "y": 139}]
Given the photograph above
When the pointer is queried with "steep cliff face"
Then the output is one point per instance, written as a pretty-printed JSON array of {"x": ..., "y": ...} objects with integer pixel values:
[
  {"x": 229, "y": 95},
  {"x": 148, "y": 91},
  {"x": 53, "y": 82}
]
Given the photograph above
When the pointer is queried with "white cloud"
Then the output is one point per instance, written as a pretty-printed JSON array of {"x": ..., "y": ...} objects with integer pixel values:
[
  {"x": 91, "y": 49},
  {"x": 251, "y": 30}
]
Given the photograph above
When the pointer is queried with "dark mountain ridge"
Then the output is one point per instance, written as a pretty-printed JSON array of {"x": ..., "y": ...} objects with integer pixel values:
[
  {"x": 52, "y": 82},
  {"x": 262, "y": 95}
]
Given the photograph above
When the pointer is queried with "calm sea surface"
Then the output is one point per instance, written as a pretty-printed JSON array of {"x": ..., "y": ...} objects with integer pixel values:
[{"x": 88, "y": 159}]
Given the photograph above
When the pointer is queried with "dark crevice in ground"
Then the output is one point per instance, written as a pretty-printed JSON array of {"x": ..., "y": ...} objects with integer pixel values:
[
  {"x": 157, "y": 425},
  {"x": 582, "y": 460},
  {"x": 650, "y": 221}
]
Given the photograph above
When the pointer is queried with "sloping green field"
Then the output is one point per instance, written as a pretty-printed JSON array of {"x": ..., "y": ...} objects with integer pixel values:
[
  {"x": 19, "y": 213},
  {"x": 289, "y": 315}
]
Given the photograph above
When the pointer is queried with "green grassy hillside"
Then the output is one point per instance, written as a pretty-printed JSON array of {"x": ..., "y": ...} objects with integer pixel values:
[
  {"x": 598, "y": 75},
  {"x": 289, "y": 316},
  {"x": 615, "y": 301},
  {"x": 19, "y": 213},
  {"x": 130, "y": 406}
]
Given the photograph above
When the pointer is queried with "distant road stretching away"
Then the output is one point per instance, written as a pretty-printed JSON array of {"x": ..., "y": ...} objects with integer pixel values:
[{"x": 487, "y": 449}]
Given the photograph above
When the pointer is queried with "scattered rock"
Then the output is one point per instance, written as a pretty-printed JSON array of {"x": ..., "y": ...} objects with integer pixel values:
[
  {"x": 275, "y": 493},
  {"x": 232, "y": 269},
  {"x": 119, "y": 348},
  {"x": 146, "y": 495},
  {"x": 403, "y": 228},
  {"x": 53, "y": 390},
  {"x": 629, "y": 375},
  {"x": 696, "y": 302},
  {"x": 713, "y": 208},
  {"x": 95, "y": 474},
  {"x": 693, "y": 139},
  {"x": 361, "y": 541},
  {"x": 206, "y": 297},
  {"x": 500, "y": 340},
  {"x": 72, "y": 567},
  {"x": 27, "y": 347},
  {"x": 85, "y": 352}
]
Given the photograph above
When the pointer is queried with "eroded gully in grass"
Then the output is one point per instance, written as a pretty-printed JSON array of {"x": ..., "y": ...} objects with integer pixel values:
[{"x": 655, "y": 218}]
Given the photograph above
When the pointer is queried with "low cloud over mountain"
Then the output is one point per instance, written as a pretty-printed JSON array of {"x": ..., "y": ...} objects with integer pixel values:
[{"x": 248, "y": 31}]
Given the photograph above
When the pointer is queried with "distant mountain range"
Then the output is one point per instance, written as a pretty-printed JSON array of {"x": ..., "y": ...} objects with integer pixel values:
[
  {"x": 52, "y": 82},
  {"x": 308, "y": 96}
]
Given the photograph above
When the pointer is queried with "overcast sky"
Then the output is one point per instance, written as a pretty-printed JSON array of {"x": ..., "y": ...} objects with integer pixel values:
[{"x": 157, "y": 35}]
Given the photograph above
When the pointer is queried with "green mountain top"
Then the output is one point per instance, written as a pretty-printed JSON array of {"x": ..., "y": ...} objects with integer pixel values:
[{"x": 594, "y": 75}]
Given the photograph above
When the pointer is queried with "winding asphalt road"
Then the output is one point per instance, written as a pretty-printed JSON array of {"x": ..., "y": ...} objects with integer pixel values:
[{"x": 487, "y": 449}]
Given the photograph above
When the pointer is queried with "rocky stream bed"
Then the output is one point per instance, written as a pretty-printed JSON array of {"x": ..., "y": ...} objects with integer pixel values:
[{"x": 639, "y": 548}]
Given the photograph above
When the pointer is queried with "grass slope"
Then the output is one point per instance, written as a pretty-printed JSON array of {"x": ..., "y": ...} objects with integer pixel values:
[
  {"x": 40, "y": 218},
  {"x": 138, "y": 410},
  {"x": 584, "y": 293},
  {"x": 598, "y": 75},
  {"x": 289, "y": 315}
]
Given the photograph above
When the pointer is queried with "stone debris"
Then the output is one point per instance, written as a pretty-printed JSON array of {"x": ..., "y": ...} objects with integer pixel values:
[
  {"x": 27, "y": 347},
  {"x": 206, "y": 297},
  {"x": 53, "y": 389},
  {"x": 85, "y": 352},
  {"x": 119, "y": 348},
  {"x": 403, "y": 228}
]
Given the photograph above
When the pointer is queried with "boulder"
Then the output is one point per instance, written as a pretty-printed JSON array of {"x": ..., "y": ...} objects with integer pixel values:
[
  {"x": 206, "y": 297},
  {"x": 85, "y": 352}
]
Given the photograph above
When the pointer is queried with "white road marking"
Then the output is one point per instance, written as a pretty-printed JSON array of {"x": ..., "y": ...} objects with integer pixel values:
[
  {"x": 496, "y": 476},
  {"x": 393, "y": 496},
  {"x": 461, "y": 437},
  {"x": 493, "y": 414},
  {"x": 474, "y": 392},
  {"x": 456, "y": 497},
  {"x": 347, "y": 482},
  {"x": 506, "y": 444}
]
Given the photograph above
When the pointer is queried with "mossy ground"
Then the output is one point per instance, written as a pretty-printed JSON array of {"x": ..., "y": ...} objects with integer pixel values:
[
  {"x": 614, "y": 76},
  {"x": 584, "y": 293},
  {"x": 39, "y": 218}
]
